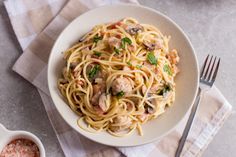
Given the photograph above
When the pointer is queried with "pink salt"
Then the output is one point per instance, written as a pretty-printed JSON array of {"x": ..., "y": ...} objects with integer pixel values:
[{"x": 20, "y": 148}]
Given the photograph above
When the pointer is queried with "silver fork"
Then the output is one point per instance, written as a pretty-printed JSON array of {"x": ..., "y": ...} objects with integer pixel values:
[{"x": 207, "y": 79}]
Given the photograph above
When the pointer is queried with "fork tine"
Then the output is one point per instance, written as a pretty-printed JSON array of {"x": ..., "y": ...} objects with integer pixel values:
[
  {"x": 211, "y": 71},
  {"x": 208, "y": 67},
  {"x": 215, "y": 72},
  {"x": 204, "y": 66}
]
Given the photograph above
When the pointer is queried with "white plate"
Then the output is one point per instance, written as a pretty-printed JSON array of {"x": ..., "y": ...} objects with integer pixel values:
[{"x": 186, "y": 81}]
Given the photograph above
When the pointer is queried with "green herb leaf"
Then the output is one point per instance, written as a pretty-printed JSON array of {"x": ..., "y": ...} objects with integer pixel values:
[
  {"x": 120, "y": 94},
  {"x": 96, "y": 38},
  {"x": 117, "y": 51},
  {"x": 97, "y": 53},
  {"x": 167, "y": 69},
  {"x": 125, "y": 40},
  {"x": 151, "y": 58},
  {"x": 139, "y": 66},
  {"x": 93, "y": 71},
  {"x": 129, "y": 63}
]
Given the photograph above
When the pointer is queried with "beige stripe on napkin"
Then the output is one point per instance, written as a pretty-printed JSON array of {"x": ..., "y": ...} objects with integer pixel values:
[
  {"x": 30, "y": 17},
  {"x": 32, "y": 65},
  {"x": 38, "y": 51}
]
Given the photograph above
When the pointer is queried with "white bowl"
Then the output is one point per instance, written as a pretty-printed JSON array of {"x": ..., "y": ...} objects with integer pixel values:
[
  {"x": 186, "y": 81},
  {"x": 6, "y": 136}
]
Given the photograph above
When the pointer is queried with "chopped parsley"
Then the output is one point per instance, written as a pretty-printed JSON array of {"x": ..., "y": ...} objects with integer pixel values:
[
  {"x": 167, "y": 69},
  {"x": 117, "y": 51},
  {"x": 97, "y": 53},
  {"x": 93, "y": 71},
  {"x": 139, "y": 66},
  {"x": 96, "y": 38},
  {"x": 151, "y": 58},
  {"x": 120, "y": 94},
  {"x": 125, "y": 40},
  {"x": 129, "y": 63}
]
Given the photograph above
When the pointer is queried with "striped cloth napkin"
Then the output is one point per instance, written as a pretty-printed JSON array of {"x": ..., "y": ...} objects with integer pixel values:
[{"x": 37, "y": 23}]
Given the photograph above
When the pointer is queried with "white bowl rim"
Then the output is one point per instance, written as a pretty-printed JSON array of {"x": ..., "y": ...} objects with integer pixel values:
[{"x": 160, "y": 14}]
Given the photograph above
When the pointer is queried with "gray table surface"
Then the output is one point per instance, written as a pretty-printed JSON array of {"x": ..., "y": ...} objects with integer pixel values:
[{"x": 210, "y": 25}]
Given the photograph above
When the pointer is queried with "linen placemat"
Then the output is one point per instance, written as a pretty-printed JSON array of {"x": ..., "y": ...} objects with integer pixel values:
[{"x": 37, "y": 23}]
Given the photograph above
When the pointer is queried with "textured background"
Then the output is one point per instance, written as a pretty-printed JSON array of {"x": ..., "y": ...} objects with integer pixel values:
[{"x": 210, "y": 25}]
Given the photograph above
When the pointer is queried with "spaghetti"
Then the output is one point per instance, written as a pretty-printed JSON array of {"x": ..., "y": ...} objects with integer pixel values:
[{"x": 119, "y": 76}]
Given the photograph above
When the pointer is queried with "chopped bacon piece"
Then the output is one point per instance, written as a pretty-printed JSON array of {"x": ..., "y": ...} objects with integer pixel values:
[
  {"x": 173, "y": 57},
  {"x": 113, "y": 26}
]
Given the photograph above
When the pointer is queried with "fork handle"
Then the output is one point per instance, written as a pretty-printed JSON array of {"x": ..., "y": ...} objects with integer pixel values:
[{"x": 188, "y": 125}]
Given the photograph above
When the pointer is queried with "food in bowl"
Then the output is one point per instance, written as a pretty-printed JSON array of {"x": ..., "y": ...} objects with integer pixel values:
[
  {"x": 20, "y": 148},
  {"x": 119, "y": 76}
]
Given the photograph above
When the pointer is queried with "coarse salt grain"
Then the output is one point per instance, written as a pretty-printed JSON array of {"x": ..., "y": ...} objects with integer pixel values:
[{"x": 20, "y": 148}]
